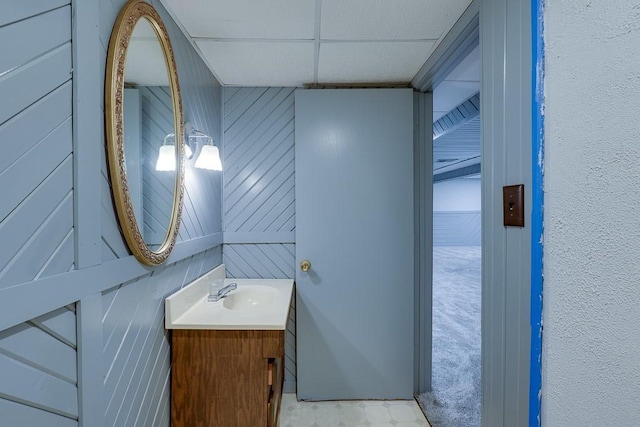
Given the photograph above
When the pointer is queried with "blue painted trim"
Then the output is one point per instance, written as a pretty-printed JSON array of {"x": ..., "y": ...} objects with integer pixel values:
[
  {"x": 537, "y": 214},
  {"x": 87, "y": 89},
  {"x": 90, "y": 362}
]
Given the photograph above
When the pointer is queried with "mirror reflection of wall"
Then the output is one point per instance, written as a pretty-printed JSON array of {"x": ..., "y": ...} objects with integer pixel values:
[
  {"x": 149, "y": 118},
  {"x": 158, "y": 186},
  {"x": 133, "y": 148}
]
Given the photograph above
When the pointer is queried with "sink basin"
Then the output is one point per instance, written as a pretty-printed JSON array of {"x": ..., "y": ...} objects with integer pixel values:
[
  {"x": 250, "y": 298},
  {"x": 256, "y": 304}
]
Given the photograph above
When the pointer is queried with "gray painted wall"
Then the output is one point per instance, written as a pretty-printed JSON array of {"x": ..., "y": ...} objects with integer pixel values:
[
  {"x": 505, "y": 38},
  {"x": 69, "y": 290},
  {"x": 259, "y": 198},
  {"x": 591, "y": 345},
  {"x": 457, "y": 195},
  {"x": 456, "y": 228},
  {"x": 456, "y": 213}
]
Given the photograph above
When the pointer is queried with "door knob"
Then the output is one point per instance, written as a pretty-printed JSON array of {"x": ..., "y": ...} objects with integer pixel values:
[{"x": 305, "y": 266}]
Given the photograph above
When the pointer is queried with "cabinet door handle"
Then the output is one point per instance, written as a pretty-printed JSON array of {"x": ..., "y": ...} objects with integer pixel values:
[{"x": 270, "y": 373}]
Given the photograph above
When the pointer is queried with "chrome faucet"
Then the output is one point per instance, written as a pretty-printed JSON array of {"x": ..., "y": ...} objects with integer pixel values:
[{"x": 221, "y": 292}]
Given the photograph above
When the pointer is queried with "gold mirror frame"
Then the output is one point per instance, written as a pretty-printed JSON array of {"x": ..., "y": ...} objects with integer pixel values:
[{"x": 131, "y": 13}]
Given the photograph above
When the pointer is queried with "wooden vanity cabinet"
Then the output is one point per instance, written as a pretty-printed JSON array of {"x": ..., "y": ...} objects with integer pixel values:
[{"x": 226, "y": 378}]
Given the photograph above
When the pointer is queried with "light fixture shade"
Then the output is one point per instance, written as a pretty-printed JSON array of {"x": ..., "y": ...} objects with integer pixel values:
[
  {"x": 188, "y": 153},
  {"x": 166, "y": 158},
  {"x": 209, "y": 158}
]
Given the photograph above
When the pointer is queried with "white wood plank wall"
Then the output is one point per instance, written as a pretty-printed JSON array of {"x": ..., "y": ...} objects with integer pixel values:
[{"x": 259, "y": 192}]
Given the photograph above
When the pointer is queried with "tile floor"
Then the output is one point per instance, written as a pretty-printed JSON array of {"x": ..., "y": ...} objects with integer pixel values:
[{"x": 351, "y": 413}]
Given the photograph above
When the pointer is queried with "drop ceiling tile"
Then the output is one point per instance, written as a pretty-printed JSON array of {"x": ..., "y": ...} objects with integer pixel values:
[
  {"x": 260, "y": 63},
  {"x": 371, "y": 62},
  {"x": 450, "y": 93},
  {"x": 274, "y": 19},
  {"x": 388, "y": 19}
]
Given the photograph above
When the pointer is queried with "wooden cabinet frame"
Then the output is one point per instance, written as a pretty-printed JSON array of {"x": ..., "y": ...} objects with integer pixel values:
[{"x": 226, "y": 378}]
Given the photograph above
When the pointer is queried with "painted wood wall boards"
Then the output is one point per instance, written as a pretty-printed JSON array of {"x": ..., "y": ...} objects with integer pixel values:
[
  {"x": 259, "y": 199},
  {"x": 35, "y": 170},
  {"x": 39, "y": 371},
  {"x": 37, "y": 358},
  {"x": 158, "y": 186},
  {"x": 136, "y": 351},
  {"x": 107, "y": 363}
]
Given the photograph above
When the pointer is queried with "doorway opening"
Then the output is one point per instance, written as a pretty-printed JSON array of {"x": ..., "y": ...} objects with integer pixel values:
[{"x": 455, "y": 397}]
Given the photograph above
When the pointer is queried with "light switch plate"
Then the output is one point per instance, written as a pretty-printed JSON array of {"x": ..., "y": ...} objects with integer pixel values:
[{"x": 513, "y": 205}]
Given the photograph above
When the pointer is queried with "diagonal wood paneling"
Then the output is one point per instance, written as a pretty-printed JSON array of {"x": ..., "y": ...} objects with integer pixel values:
[
  {"x": 157, "y": 186},
  {"x": 136, "y": 348},
  {"x": 136, "y": 363},
  {"x": 202, "y": 105},
  {"x": 39, "y": 372},
  {"x": 36, "y": 216},
  {"x": 259, "y": 191},
  {"x": 37, "y": 358},
  {"x": 260, "y": 261},
  {"x": 201, "y": 97},
  {"x": 258, "y": 160}
]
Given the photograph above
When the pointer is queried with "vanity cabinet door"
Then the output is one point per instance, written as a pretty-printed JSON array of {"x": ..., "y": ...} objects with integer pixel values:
[{"x": 226, "y": 378}]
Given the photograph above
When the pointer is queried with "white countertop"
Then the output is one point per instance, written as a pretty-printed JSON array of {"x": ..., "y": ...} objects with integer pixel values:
[{"x": 189, "y": 308}]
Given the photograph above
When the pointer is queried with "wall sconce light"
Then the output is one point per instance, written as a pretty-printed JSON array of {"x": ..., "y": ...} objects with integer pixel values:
[
  {"x": 209, "y": 157},
  {"x": 167, "y": 155}
]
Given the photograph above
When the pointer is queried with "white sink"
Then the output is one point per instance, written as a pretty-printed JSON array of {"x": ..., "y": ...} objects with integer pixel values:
[
  {"x": 250, "y": 298},
  {"x": 256, "y": 304}
]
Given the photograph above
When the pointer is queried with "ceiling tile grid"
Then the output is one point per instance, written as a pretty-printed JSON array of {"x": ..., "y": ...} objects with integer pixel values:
[
  {"x": 371, "y": 62},
  {"x": 388, "y": 19},
  {"x": 353, "y": 41},
  {"x": 295, "y": 43},
  {"x": 260, "y": 64},
  {"x": 246, "y": 19}
]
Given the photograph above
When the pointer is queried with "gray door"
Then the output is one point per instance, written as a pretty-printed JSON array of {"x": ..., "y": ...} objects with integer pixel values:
[{"x": 354, "y": 223}]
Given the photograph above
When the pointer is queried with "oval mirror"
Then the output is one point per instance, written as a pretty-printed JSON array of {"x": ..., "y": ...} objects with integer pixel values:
[{"x": 144, "y": 132}]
